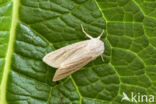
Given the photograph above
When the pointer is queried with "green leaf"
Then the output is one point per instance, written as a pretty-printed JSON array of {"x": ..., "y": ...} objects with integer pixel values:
[{"x": 29, "y": 29}]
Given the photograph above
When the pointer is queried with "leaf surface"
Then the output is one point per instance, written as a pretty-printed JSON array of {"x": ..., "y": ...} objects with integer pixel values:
[{"x": 31, "y": 28}]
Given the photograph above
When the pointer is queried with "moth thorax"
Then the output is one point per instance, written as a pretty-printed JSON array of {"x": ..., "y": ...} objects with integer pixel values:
[{"x": 96, "y": 46}]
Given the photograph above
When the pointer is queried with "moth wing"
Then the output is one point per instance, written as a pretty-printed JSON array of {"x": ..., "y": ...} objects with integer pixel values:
[
  {"x": 56, "y": 58},
  {"x": 70, "y": 67}
]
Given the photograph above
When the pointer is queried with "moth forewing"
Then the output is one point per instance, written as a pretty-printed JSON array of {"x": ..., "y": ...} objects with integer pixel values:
[
  {"x": 56, "y": 58},
  {"x": 51, "y": 57},
  {"x": 73, "y": 57},
  {"x": 71, "y": 66}
]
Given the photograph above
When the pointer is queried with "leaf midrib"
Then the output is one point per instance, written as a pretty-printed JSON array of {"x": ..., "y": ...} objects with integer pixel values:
[{"x": 9, "y": 51}]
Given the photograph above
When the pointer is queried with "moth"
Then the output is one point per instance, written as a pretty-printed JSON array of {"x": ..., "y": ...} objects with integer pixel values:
[{"x": 72, "y": 57}]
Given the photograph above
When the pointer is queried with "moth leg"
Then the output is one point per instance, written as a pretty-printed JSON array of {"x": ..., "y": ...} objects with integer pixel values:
[
  {"x": 85, "y": 32},
  {"x": 102, "y": 58},
  {"x": 101, "y": 34}
]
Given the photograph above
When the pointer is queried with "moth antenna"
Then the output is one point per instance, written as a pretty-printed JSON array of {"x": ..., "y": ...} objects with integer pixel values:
[
  {"x": 85, "y": 32},
  {"x": 101, "y": 34},
  {"x": 102, "y": 58}
]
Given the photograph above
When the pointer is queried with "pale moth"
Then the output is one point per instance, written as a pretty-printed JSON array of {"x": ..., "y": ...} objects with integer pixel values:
[{"x": 72, "y": 57}]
